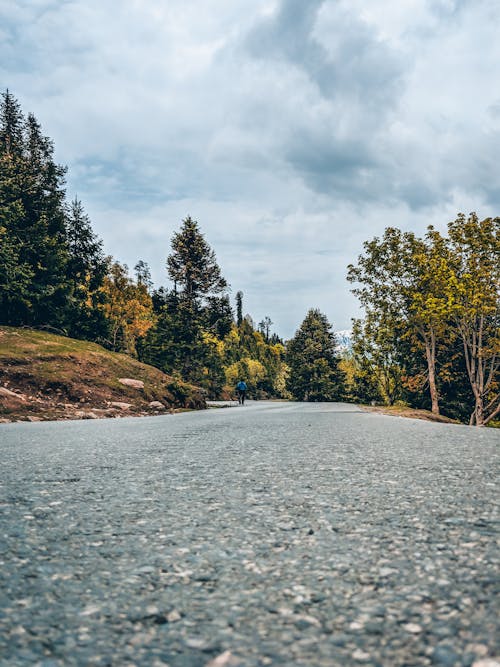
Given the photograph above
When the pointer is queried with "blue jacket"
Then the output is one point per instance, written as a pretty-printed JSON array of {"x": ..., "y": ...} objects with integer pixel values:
[{"x": 241, "y": 386}]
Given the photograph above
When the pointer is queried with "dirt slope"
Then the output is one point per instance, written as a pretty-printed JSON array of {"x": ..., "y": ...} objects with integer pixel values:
[{"x": 44, "y": 376}]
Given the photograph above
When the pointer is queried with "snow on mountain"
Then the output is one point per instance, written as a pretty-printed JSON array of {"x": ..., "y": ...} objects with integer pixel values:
[{"x": 344, "y": 340}]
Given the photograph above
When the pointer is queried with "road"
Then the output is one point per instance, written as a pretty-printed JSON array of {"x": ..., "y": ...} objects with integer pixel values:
[{"x": 270, "y": 534}]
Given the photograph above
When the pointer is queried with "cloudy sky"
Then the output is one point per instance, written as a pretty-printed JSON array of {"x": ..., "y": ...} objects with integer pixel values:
[{"x": 292, "y": 130}]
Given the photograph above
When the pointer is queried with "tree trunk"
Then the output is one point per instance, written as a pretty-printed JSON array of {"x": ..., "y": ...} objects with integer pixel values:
[{"x": 430, "y": 353}]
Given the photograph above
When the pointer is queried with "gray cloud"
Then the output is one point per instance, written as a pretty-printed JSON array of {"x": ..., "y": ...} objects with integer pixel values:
[{"x": 291, "y": 130}]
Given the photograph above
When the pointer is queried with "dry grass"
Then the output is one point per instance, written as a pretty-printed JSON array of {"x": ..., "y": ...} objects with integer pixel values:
[{"x": 413, "y": 413}]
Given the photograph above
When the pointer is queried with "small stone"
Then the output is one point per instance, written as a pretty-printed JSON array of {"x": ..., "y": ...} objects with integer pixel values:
[
  {"x": 173, "y": 616},
  {"x": 356, "y": 625},
  {"x": 90, "y": 610},
  {"x": 387, "y": 571},
  {"x": 304, "y": 621},
  {"x": 414, "y": 628},
  {"x": 196, "y": 643},
  {"x": 487, "y": 662},
  {"x": 130, "y": 382},
  {"x": 226, "y": 659},
  {"x": 9, "y": 393},
  {"x": 360, "y": 656},
  {"x": 121, "y": 405},
  {"x": 156, "y": 405},
  {"x": 480, "y": 650}
]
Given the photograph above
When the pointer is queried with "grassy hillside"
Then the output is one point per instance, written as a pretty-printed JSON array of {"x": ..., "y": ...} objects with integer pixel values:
[{"x": 44, "y": 376}]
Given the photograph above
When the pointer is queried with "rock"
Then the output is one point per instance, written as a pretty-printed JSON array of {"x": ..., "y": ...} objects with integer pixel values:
[
  {"x": 360, "y": 656},
  {"x": 129, "y": 382},
  {"x": 414, "y": 628},
  {"x": 487, "y": 662},
  {"x": 156, "y": 405},
  {"x": 387, "y": 571},
  {"x": 173, "y": 616},
  {"x": 11, "y": 394},
  {"x": 120, "y": 405},
  {"x": 226, "y": 659}
]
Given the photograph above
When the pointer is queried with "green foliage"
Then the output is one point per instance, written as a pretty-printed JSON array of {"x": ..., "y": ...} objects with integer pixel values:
[
  {"x": 314, "y": 365},
  {"x": 53, "y": 272},
  {"x": 51, "y": 264},
  {"x": 86, "y": 270},
  {"x": 127, "y": 307},
  {"x": 192, "y": 265},
  {"x": 432, "y": 319}
]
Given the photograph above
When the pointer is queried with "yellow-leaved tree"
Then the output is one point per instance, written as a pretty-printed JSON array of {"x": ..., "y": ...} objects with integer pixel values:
[{"x": 128, "y": 307}]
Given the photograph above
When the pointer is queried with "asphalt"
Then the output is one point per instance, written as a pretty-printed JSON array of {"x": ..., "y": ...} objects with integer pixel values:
[{"x": 269, "y": 534}]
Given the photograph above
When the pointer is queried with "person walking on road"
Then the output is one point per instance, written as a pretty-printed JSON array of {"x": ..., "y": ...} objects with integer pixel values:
[{"x": 241, "y": 390}]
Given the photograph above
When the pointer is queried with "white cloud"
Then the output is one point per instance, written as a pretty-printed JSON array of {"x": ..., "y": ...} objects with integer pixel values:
[{"x": 292, "y": 131}]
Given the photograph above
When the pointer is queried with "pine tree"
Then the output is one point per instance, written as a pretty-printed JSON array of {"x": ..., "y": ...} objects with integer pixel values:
[
  {"x": 86, "y": 269},
  {"x": 197, "y": 310},
  {"x": 314, "y": 365},
  {"x": 239, "y": 308},
  {"x": 192, "y": 266},
  {"x": 44, "y": 229},
  {"x": 32, "y": 212}
]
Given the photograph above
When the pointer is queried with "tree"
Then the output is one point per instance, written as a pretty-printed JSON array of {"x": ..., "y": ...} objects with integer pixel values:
[
  {"x": 197, "y": 310},
  {"x": 32, "y": 212},
  {"x": 378, "y": 372},
  {"x": 143, "y": 275},
  {"x": 43, "y": 232},
  {"x": 128, "y": 309},
  {"x": 474, "y": 288},
  {"x": 313, "y": 362},
  {"x": 265, "y": 327},
  {"x": 11, "y": 126},
  {"x": 217, "y": 316},
  {"x": 192, "y": 265},
  {"x": 239, "y": 308},
  {"x": 15, "y": 277},
  {"x": 86, "y": 269},
  {"x": 405, "y": 278}
]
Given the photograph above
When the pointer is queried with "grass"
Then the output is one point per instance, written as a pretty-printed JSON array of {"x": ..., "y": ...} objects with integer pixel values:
[{"x": 51, "y": 370}]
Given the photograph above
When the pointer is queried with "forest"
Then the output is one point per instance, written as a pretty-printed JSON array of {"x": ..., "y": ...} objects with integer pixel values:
[{"x": 429, "y": 338}]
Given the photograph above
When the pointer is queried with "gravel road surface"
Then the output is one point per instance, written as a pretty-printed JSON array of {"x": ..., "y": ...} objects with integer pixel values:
[{"x": 270, "y": 534}]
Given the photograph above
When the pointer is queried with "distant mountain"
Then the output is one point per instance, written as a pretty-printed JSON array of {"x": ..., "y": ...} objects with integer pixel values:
[{"x": 344, "y": 340}]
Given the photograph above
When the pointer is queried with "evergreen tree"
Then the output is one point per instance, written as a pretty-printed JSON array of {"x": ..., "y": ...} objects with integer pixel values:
[
  {"x": 192, "y": 265},
  {"x": 86, "y": 269},
  {"x": 16, "y": 273},
  {"x": 218, "y": 316},
  {"x": 32, "y": 212},
  {"x": 194, "y": 316},
  {"x": 314, "y": 365},
  {"x": 11, "y": 126},
  {"x": 239, "y": 308},
  {"x": 43, "y": 234}
]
